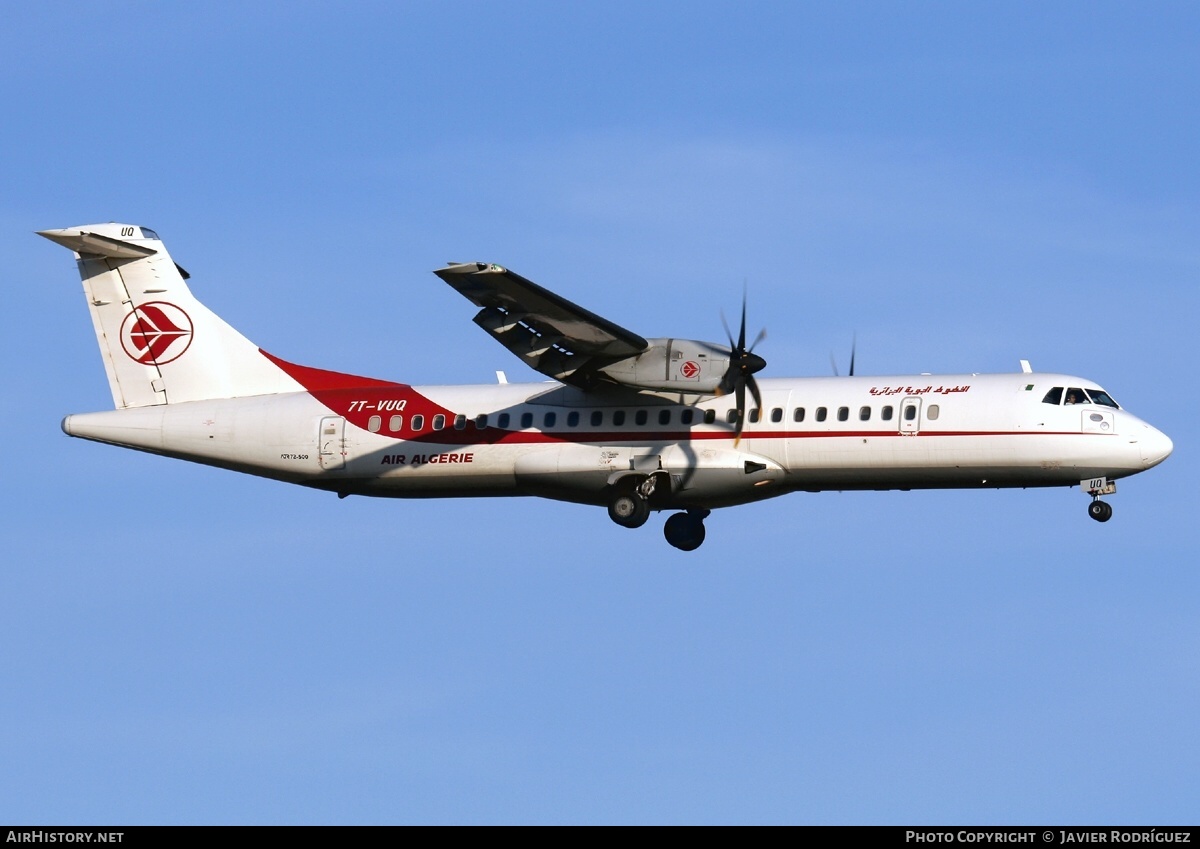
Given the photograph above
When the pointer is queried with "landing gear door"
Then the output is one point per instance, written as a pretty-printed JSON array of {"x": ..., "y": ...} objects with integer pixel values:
[
  {"x": 331, "y": 443},
  {"x": 910, "y": 415}
]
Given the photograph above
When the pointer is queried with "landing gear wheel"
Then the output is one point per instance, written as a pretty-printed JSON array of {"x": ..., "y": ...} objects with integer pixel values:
[
  {"x": 685, "y": 531},
  {"x": 629, "y": 510},
  {"x": 1099, "y": 510}
]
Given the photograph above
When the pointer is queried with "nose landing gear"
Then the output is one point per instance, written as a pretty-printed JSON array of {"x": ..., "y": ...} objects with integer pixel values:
[{"x": 1099, "y": 510}]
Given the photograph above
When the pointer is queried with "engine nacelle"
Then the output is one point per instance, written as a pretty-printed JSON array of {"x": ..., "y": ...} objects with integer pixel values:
[{"x": 676, "y": 365}]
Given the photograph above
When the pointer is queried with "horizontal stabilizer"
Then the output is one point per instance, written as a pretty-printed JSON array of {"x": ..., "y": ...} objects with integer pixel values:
[{"x": 93, "y": 243}]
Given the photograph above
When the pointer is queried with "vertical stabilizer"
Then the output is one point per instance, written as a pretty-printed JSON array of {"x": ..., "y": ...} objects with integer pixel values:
[{"x": 159, "y": 344}]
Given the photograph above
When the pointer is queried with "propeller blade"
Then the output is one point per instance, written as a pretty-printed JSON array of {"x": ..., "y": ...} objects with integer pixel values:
[
  {"x": 743, "y": 364},
  {"x": 753, "y": 384},
  {"x": 853, "y": 348},
  {"x": 728, "y": 332},
  {"x": 741, "y": 411},
  {"x": 742, "y": 332}
]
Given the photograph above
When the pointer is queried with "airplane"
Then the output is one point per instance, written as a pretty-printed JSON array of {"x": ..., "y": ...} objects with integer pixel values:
[{"x": 633, "y": 424}]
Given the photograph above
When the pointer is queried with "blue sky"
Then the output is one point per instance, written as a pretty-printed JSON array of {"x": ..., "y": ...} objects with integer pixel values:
[{"x": 959, "y": 185}]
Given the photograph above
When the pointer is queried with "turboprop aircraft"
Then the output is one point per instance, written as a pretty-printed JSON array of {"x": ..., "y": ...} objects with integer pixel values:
[{"x": 634, "y": 424}]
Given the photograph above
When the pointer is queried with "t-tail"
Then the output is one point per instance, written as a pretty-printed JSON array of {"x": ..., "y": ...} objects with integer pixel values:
[{"x": 159, "y": 344}]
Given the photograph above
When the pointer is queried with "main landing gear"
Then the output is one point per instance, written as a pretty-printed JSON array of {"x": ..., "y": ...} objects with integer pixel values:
[
  {"x": 685, "y": 531},
  {"x": 629, "y": 507},
  {"x": 629, "y": 510}
]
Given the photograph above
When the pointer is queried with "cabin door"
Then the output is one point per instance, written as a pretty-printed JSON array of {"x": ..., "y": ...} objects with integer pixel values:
[{"x": 331, "y": 442}]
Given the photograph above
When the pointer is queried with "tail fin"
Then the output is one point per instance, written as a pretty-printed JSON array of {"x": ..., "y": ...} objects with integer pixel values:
[{"x": 159, "y": 344}]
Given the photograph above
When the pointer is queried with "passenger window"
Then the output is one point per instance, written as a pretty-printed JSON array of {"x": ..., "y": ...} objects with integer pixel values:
[
  {"x": 664, "y": 417},
  {"x": 910, "y": 412},
  {"x": 640, "y": 417},
  {"x": 932, "y": 412},
  {"x": 1075, "y": 396},
  {"x": 549, "y": 419},
  {"x": 572, "y": 419},
  {"x": 732, "y": 416},
  {"x": 502, "y": 421},
  {"x": 777, "y": 414},
  {"x": 754, "y": 415},
  {"x": 886, "y": 414},
  {"x": 843, "y": 413},
  {"x": 864, "y": 414},
  {"x": 481, "y": 421},
  {"x": 597, "y": 418},
  {"x": 798, "y": 414},
  {"x": 439, "y": 421},
  {"x": 821, "y": 414},
  {"x": 619, "y": 418},
  {"x": 710, "y": 416},
  {"x": 418, "y": 423},
  {"x": 460, "y": 422},
  {"x": 686, "y": 416},
  {"x": 396, "y": 423},
  {"x": 526, "y": 420},
  {"x": 374, "y": 423},
  {"x": 1054, "y": 396}
]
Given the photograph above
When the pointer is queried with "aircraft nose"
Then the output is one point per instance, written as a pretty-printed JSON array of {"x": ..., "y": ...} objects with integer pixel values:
[{"x": 1156, "y": 446}]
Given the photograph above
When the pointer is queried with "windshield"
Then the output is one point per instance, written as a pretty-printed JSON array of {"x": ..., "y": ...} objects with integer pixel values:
[{"x": 1099, "y": 396}]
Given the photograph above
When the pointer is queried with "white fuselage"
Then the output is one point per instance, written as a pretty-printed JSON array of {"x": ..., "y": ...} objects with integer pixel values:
[
  {"x": 632, "y": 423},
  {"x": 907, "y": 432}
]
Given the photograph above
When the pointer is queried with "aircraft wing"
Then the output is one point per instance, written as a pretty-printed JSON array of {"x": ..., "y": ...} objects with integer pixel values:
[{"x": 560, "y": 339}]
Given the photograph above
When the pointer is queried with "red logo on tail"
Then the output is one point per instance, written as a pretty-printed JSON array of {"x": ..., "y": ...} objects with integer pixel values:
[{"x": 156, "y": 333}]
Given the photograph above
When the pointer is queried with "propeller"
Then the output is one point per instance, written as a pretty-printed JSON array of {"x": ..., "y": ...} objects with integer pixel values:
[{"x": 743, "y": 363}]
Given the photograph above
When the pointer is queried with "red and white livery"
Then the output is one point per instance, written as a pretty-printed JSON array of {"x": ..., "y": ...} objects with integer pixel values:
[{"x": 634, "y": 424}]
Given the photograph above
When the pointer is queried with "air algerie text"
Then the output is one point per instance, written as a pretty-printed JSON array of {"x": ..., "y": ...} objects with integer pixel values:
[{"x": 422, "y": 459}]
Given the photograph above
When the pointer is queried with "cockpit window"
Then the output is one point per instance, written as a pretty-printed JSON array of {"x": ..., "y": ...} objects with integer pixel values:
[
  {"x": 147, "y": 233},
  {"x": 1075, "y": 395}
]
